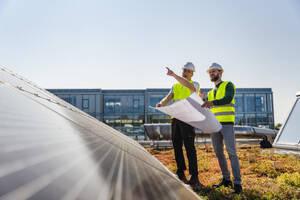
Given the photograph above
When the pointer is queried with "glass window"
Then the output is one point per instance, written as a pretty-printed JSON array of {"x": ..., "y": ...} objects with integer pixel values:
[
  {"x": 128, "y": 124},
  {"x": 138, "y": 103},
  {"x": 270, "y": 102},
  {"x": 69, "y": 99},
  {"x": 249, "y": 103},
  {"x": 73, "y": 101},
  {"x": 239, "y": 103},
  {"x": 250, "y": 119},
  {"x": 123, "y": 104},
  {"x": 126, "y": 104},
  {"x": 260, "y": 100},
  {"x": 271, "y": 121},
  {"x": 156, "y": 118},
  {"x": 262, "y": 119},
  {"x": 85, "y": 103},
  {"x": 153, "y": 100},
  {"x": 109, "y": 105},
  {"x": 239, "y": 119},
  {"x": 291, "y": 130}
]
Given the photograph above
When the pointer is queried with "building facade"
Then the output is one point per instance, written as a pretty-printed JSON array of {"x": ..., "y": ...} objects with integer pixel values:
[{"x": 128, "y": 110}]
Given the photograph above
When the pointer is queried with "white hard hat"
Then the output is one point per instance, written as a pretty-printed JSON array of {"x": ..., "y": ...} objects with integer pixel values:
[
  {"x": 215, "y": 66},
  {"x": 189, "y": 66}
]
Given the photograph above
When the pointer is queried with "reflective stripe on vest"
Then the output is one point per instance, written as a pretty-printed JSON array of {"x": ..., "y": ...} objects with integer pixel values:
[
  {"x": 180, "y": 91},
  {"x": 224, "y": 113}
]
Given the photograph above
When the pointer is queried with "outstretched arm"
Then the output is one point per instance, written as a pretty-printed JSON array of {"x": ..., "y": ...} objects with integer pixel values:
[{"x": 181, "y": 80}]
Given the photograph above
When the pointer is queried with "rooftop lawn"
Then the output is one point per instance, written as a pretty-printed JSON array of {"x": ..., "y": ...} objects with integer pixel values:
[{"x": 265, "y": 175}]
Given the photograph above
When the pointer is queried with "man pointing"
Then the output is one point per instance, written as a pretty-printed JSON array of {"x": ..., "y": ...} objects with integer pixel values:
[{"x": 183, "y": 133}]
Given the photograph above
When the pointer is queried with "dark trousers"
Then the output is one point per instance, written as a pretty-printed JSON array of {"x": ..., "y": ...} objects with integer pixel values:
[{"x": 183, "y": 133}]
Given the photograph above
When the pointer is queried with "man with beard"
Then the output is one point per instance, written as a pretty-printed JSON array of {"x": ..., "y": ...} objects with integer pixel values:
[
  {"x": 220, "y": 100},
  {"x": 183, "y": 133}
]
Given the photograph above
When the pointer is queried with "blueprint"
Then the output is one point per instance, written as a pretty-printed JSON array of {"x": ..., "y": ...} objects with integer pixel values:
[{"x": 189, "y": 110}]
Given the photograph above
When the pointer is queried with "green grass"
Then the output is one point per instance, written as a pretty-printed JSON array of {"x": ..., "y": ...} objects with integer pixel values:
[{"x": 265, "y": 175}]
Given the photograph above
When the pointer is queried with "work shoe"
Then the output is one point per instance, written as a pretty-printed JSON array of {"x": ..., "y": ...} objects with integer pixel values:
[
  {"x": 181, "y": 176},
  {"x": 224, "y": 182},
  {"x": 194, "y": 181},
  {"x": 237, "y": 189}
]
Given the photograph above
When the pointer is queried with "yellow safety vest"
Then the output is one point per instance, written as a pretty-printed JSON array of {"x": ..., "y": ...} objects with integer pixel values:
[
  {"x": 224, "y": 113},
  {"x": 180, "y": 91}
]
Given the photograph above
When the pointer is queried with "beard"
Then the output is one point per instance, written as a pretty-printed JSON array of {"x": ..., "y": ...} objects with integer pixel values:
[{"x": 214, "y": 79}]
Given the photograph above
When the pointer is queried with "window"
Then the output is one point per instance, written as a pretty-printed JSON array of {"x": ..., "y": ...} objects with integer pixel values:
[
  {"x": 153, "y": 100},
  {"x": 290, "y": 131},
  {"x": 123, "y": 104},
  {"x": 261, "y": 102},
  {"x": 239, "y": 103},
  {"x": 85, "y": 103},
  {"x": 70, "y": 100},
  {"x": 271, "y": 120},
  {"x": 239, "y": 119},
  {"x": 112, "y": 105},
  {"x": 67, "y": 99},
  {"x": 262, "y": 119},
  {"x": 158, "y": 118},
  {"x": 138, "y": 103},
  {"x": 249, "y": 103},
  {"x": 127, "y": 124},
  {"x": 250, "y": 119},
  {"x": 270, "y": 102}
]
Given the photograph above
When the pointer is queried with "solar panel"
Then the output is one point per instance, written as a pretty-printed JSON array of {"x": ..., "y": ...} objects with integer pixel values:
[
  {"x": 52, "y": 150},
  {"x": 290, "y": 132},
  {"x": 288, "y": 138}
]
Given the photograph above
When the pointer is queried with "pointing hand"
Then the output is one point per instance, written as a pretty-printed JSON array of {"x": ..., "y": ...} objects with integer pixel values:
[{"x": 170, "y": 72}]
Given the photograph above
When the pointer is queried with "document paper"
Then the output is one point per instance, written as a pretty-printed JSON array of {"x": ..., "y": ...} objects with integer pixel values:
[{"x": 189, "y": 110}]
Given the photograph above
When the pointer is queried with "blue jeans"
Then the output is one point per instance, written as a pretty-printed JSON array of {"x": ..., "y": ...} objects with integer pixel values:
[{"x": 227, "y": 135}]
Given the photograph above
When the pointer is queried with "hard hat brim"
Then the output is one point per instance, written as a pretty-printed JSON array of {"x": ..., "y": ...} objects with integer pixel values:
[
  {"x": 188, "y": 69},
  {"x": 214, "y": 68}
]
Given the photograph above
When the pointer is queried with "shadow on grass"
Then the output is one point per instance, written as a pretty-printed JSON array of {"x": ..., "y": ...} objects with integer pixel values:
[{"x": 222, "y": 193}]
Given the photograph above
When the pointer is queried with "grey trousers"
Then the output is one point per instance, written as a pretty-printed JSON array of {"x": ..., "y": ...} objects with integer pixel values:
[{"x": 227, "y": 135}]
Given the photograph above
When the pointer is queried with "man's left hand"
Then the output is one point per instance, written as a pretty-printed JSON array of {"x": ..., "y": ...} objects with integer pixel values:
[{"x": 207, "y": 104}]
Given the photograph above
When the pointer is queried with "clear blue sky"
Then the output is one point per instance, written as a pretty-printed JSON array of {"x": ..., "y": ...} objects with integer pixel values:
[{"x": 126, "y": 44}]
